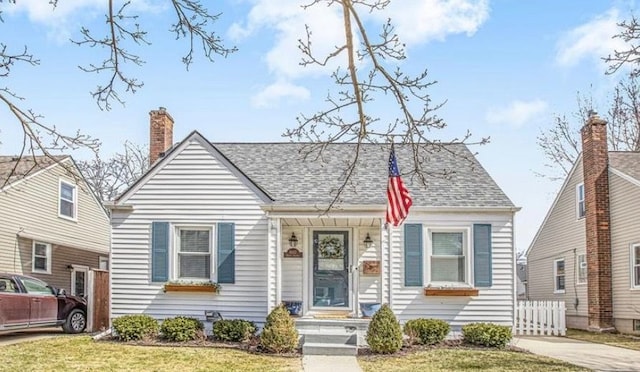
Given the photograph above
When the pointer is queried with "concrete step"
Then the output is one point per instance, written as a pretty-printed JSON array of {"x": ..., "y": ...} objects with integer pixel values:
[
  {"x": 310, "y": 348},
  {"x": 343, "y": 338}
]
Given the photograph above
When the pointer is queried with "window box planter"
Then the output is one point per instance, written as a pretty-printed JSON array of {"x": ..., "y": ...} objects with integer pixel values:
[
  {"x": 462, "y": 292},
  {"x": 190, "y": 287}
]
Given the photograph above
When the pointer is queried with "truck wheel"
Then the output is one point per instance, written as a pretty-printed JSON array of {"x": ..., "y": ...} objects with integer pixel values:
[{"x": 76, "y": 322}]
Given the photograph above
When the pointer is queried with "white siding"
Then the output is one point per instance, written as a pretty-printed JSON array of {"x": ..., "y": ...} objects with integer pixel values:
[
  {"x": 369, "y": 284},
  {"x": 292, "y": 279},
  {"x": 29, "y": 209},
  {"x": 191, "y": 188},
  {"x": 494, "y": 304},
  {"x": 625, "y": 230}
]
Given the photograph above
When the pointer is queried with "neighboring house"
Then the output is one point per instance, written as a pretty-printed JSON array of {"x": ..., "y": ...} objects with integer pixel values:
[
  {"x": 521, "y": 284},
  {"x": 52, "y": 227},
  {"x": 232, "y": 213},
  {"x": 587, "y": 250}
]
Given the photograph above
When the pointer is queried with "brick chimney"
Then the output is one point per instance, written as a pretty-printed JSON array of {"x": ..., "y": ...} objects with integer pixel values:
[
  {"x": 595, "y": 162},
  {"x": 161, "y": 133}
]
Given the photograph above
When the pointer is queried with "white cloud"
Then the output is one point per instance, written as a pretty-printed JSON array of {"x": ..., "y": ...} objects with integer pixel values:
[
  {"x": 517, "y": 113},
  {"x": 416, "y": 21},
  {"x": 277, "y": 91},
  {"x": 593, "y": 39}
]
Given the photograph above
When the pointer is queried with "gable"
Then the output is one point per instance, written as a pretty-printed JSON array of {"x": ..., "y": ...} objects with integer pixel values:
[{"x": 192, "y": 170}]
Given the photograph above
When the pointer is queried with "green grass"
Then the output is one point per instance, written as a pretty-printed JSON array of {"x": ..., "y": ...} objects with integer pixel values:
[
  {"x": 83, "y": 354},
  {"x": 464, "y": 360},
  {"x": 611, "y": 339}
]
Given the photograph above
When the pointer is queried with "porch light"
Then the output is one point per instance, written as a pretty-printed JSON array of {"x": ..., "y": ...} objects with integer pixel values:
[
  {"x": 368, "y": 241},
  {"x": 293, "y": 241}
]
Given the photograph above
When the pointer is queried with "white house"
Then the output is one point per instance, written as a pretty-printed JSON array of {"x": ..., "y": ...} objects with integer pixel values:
[{"x": 232, "y": 212}]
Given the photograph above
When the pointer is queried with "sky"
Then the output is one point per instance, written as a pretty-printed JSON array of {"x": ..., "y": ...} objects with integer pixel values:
[{"x": 504, "y": 67}]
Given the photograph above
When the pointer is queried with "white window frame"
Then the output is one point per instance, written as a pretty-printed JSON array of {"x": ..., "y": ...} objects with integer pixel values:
[
  {"x": 76, "y": 269},
  {"x": 580, "y": 201},
  {"x": 74, "y": 201},
  {"x": 632, "y": 266},
  {"x": 466, "y": 249},
  {"x": 555, "y": 276},
  {"x": 578, "y": 268},
  {"x": 103, "y": 261},
  {"x": 176, "y": 251},
  {"x": 47, "y": 257}
]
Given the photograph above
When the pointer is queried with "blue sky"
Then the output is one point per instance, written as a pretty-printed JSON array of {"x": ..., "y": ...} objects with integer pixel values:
[{"x": 505, "y": 67}]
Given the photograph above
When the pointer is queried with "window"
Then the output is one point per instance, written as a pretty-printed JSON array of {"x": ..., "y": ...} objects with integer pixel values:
[
  {"x": 194, "y": 253},
  {"x": 67, "y": 202},
  {"x": 581, "y": 269},
  {"x": 635, "y": 265},
  {"x": 79, "y": 280},
  {"x": 36, "y": 286},
  {"x": 580, "y": 205},
  {"x": 448, "y": 257},
  {"x": 103, "y": 263},
  {"x": 559, "y": 276},
  {"x": 636, "y": 325},
  {"x": 41, "y": 258}
]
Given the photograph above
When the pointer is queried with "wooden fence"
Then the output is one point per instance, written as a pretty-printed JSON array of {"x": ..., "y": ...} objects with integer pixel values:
[
  {"x": 540, "y": 318},
  {"x": 98, "y": 301}
]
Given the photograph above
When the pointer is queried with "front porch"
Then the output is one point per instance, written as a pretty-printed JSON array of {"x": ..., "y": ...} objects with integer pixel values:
[{"x": 331, "y": 267}]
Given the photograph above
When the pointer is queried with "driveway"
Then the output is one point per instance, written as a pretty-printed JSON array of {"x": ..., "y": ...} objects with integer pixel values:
[
  {"x": 29, "y": 335},
  {"x": 586, "y": 354}
]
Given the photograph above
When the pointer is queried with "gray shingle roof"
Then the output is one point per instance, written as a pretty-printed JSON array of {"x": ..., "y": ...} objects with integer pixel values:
[
  {"x": 281, "y": 171},
  {"x": 15, "y": 167},
  {"x": 626, "y": 162}
]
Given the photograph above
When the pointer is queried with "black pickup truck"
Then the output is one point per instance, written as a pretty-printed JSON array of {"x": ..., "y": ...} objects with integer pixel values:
[{"x": 27, "y": 302}]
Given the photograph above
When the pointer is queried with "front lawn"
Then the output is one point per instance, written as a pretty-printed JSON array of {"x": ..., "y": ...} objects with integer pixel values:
[
  {"x": 464, "y": 360},
  {"x": 612, "y": 339},
  {"x": 83, "y": 354}
]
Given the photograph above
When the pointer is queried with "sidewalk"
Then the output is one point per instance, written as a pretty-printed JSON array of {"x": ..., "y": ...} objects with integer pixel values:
[
  {"x": 324, "y": 363},
  {"x": 581, "y": 353}
]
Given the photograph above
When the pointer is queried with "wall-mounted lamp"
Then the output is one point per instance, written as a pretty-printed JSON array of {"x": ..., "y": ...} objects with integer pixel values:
[
  {"x": 70, "y": 267},
  {"x": 293, "y": 240},
  {"x": 368, "y": 241}
]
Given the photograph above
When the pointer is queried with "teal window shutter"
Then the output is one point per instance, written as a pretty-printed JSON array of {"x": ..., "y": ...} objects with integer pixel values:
[
  {"x": 159, "y": 251},
  {"x": 226, "y": 253},
  {"x": 482, "y": 255},
  {"x": 413, "y": 255}
]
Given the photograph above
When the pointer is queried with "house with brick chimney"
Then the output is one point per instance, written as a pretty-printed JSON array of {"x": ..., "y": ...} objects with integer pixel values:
[
  {"x": 587, "y": 250},
  {"x": 234, "y": 229}
]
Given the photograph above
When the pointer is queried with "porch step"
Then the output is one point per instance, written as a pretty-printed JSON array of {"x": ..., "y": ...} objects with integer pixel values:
[
  {"x": 310, "y": 348},
  {"x": 345, "y": 338}
]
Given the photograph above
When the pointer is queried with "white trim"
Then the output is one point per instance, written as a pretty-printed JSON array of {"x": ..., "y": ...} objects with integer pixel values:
[
  {"x": 66, "y": 182},
  {"x": 74, "y": 271},
  {"x": 466, "y": 249},
  {"x": 68, "y": 244},
  {"x": 625, "y": 176},
  {"x": 555, "y": 202},
  {"x": 555, "y": 276},
  {"x": 632, "y": 265},
  {"x": 48, "y": 257},
  {"x": 353, "y": 210},
  {"x": 175, "y": 250},
  {"x": 578, "y": 201},
  {"x": 578, "y": 282}
]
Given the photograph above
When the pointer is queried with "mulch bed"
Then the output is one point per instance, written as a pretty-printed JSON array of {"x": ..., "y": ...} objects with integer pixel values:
[{"x": 447, "y": 344}]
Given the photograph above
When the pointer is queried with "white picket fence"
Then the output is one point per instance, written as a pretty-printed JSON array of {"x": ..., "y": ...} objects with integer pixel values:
[{"x": 540, "y": 318}]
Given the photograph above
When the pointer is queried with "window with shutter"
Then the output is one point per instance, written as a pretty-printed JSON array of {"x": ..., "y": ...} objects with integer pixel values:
[{"x": 194, "y": 253}]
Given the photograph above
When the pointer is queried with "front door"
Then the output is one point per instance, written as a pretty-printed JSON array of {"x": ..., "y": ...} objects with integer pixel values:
[{"x": 330, "y": 282}]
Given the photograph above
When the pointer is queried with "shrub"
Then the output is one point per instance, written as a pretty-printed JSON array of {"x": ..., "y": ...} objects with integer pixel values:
[
  {"x": 486, "y": 334},
  {"x": 279, "y": 334},
  {"x": 235, "y": 330},
  {"x": 384, "y": 334},
  {"x": 135, "y": 327},
  {"x": 426, "y": 331},
  {"x": 182, "y": 328}
]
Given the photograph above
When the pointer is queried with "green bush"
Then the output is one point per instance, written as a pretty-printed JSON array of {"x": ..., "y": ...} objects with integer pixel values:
[
  {"x": 426, "y": 331},
  {"x": 486, "y": 334},
  {"x": 135, "y": 327},
  {"x": 181, "y": 329},
  {"x": 384, "y": 335},
  {"x": 279, "y": 334},
  {"x": 235, "y": 330}
]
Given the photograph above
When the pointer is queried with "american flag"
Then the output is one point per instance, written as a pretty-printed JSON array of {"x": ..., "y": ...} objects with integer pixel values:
[{"x": 398, "y": 198}]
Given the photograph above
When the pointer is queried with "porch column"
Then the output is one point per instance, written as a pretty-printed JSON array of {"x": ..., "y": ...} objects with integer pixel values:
[
  {"x": 274, "y": 264},
  {"x": 386, "y": 263}
]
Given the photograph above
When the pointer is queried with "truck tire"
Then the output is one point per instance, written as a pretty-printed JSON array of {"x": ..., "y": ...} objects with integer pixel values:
[{"x": 76, "y": 322}]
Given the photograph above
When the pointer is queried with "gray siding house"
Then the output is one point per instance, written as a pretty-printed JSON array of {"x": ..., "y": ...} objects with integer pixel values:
[
  {"x": 587, "y": 250},
  {"x": 251, "y": 217},
  {"x": 52, "y": 227}
]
